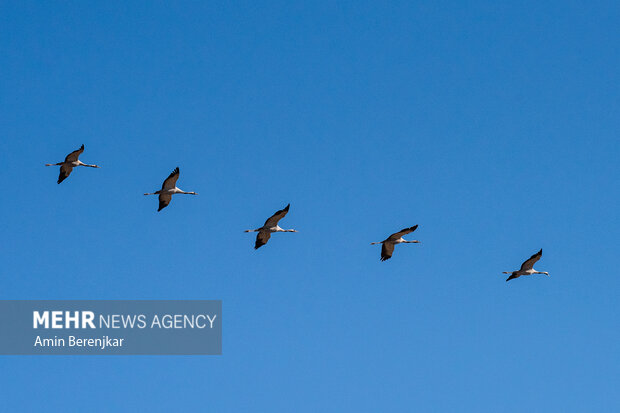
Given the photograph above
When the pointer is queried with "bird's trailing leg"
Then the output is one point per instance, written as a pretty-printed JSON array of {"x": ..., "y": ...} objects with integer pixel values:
[{"x": 53, "y": 164}]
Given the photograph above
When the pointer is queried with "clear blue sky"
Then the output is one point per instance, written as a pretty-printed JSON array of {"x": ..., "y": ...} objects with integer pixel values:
[{"x": 492, "y": 126}]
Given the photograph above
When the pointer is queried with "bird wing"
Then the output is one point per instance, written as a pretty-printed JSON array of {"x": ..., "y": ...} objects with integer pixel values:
[
  {"x": 402, "y": 232},
  {"x": 529, "y": 263},
  {"x": 512, "y": 277},
  {"x": 273, "y": 220},
  {"x": 386, "y": 251},
  {"x": 261, "y": 239},
  {"x": 73, "y": 156},
  {"x": 65, "y": 171},
  {"x": 164, "y": 200},
  {"x": 171, "y": 181}
]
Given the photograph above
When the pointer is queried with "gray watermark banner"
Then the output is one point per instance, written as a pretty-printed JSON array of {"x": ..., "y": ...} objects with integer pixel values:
[{"x": 110, "y": 327}]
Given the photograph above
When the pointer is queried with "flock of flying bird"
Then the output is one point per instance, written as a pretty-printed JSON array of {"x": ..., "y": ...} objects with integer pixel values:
[{"x": 169, "y": 188}]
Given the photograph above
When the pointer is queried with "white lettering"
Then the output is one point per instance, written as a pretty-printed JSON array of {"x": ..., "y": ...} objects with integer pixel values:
[{"x": 40, "y": 319}]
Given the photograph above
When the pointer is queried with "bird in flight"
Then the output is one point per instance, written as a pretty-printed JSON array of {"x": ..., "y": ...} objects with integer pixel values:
[
  {"x": 527, "y": 268},
  {"x": 169, "y": 188},
  {"x": 271, "y": 225},
  {"x": 70, "y": 161},
  {"x": 392, "y": 240}
]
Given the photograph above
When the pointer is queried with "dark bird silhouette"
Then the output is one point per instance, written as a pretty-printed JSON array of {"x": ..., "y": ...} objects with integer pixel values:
[
  {"x": 270, "y": 226},
  {"x": 71, "y": 161},
  {"x": 169, "y": 188},
  {"x": 396, "y": 238},
  {"x": 527, "y": 268}
]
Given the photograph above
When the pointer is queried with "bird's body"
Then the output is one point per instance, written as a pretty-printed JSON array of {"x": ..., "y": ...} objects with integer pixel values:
[
  {"x": 396, "y": 238},
  {"x": 169, "y": 188},
  {"x": 527, "y": 268},
  {"x": 270, "y": 226},
  {"x": 71, "y": 161}
]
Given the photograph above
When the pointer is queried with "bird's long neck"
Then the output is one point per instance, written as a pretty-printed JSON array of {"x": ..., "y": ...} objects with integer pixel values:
[
  {"x": 180, "y": 191},
  {"x": 86, "y": 164}
]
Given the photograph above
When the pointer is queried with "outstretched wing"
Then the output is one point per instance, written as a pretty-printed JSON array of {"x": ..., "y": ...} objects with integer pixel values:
[
  {"x": 273, "y": 220},
  {"x": 164, "y": 200},
  {"x": 171, "y": 181},
  {"x": 65, "y": 171},
  {"x": 513, "y": 276},
  {"x": 529, "y": 263},
  {"x": 261, "y": 239},
  {"x": 73, "y": 156},
  {"x": 386, "y": 251},
  {"x": 402, "y": 232}
]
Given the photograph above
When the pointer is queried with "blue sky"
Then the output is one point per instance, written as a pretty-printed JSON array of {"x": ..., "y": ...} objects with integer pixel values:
[{"x": 492, "y": 126}]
